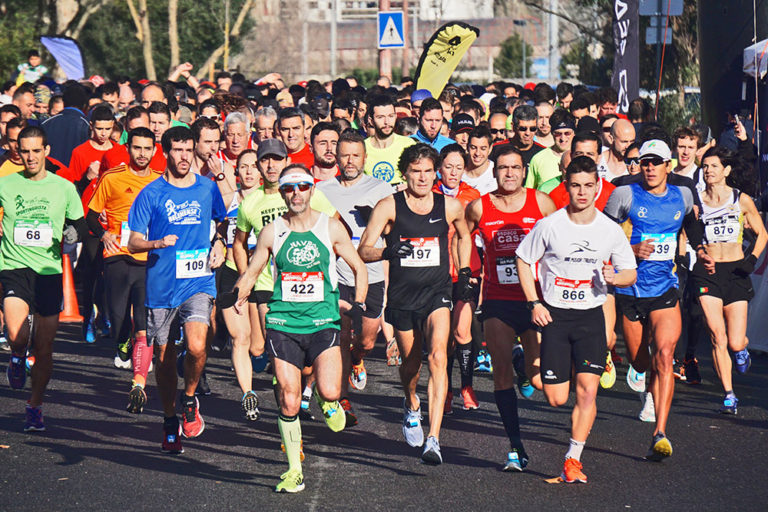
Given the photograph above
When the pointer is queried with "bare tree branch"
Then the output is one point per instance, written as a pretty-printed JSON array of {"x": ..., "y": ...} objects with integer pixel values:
[
  {"x": 136, "y": 20},
  {"x": 233, "y": 33},
  {"x": 90, "y": 8},
  {"x": 587, "y": 30},
  {"x": 173, "y": 32}
]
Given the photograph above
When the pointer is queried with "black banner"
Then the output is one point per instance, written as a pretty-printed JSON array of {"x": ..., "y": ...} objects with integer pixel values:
[{"x": 626, "y": 60}]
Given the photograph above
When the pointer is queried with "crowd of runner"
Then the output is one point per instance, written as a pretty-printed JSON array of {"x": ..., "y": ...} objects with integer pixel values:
[{"x": 514, "y": 229}]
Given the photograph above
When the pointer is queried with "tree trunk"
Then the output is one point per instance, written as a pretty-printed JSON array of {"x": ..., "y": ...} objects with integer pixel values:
[
  {"x": 143, "y": 34},
  {"x": 173, "y": 33},
  {"x": 234, "y": 33}
]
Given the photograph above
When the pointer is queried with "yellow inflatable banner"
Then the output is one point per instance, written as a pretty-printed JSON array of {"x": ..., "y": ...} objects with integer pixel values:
[{"x": 442, "y": 54}]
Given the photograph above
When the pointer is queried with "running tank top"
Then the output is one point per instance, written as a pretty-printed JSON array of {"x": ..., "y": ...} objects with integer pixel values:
[
  {"x": 725, "y": 223},
  {"x": 502, "y": 232},
  {"x": 414, "y": 280},
  {"x": 305, "y": 298}
]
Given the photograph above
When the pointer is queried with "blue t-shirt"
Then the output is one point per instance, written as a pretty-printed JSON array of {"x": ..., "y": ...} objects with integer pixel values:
[
  {"x": 176, "y": 273},
  {"x": 438, "y": 143}
]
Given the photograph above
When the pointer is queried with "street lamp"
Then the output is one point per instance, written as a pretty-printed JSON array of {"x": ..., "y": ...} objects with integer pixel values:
[{"x": 522, "y": 23}]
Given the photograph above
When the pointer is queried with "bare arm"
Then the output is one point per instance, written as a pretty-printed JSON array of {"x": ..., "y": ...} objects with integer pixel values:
[
  {"x": 343, "y": 247},
  {"x": 546, "y": 204},
  {"x": 755, "y": 223},
  {"x": 240, "y": 250},
  {"x": 455, "y": 213},
  {"x": 539, "y": 315},
  {"x": 383, "y": 213},
  {"x": 259, "y": 260},
  {"x": 136, "y": 242}
]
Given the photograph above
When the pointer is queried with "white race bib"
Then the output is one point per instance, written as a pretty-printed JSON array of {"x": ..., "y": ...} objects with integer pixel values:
[
  {"x": 664, "y": 245},
  {"x": 302, "y": 286},
  {"x": 32, "y": 233},
  {"x": 191, "y": 264},
  {"x": 571, "y": 292},
  {"x": 506, "y": 270},
  {"x": 724, "y": 229},
  {"x": 426, "y": 253},
  {"x": 231, "y": 227},
  {"x": 125, "y": 234}
]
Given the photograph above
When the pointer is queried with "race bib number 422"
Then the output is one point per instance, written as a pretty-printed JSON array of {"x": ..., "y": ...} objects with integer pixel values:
[
  {"x": 191, "y": 264},
  {"x": 664, "y": 245},
  {"x": 426, "y": 253},
  {"x": 302, "y": 286},
  {"x": 32, "y": 233}
]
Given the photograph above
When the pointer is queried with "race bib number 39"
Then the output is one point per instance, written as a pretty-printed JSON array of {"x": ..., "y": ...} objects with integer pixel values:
[
  {"x": 426, "y": 253},
  {"x": 664, "y": 245},
  {"x": 572, "y": 292},
  {"x": 32, "y": 233},
  {"x": 302, "y": 286},
  {"x": 191, "y": 264},
  {"x": 506, "y": 270}
]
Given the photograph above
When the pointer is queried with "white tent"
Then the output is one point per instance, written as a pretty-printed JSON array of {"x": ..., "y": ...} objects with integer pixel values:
[{"x": 756, "y": 53}]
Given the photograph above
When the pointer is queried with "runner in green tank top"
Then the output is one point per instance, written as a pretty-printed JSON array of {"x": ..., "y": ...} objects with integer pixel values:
[{"x": 303, "y": 320}]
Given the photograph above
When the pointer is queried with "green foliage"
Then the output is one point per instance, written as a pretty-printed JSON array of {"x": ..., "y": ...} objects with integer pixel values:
[
  {"x": 17, "y": 36},
  {"x": 508, "y": 63},
  {"x": 367, "y": 77},
  {"x": 591, "y": 71}
]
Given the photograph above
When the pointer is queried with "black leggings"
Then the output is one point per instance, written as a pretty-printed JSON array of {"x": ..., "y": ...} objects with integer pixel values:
[
  {"x": 125, "y": 288},
  {"x": 90, "y": 265}
]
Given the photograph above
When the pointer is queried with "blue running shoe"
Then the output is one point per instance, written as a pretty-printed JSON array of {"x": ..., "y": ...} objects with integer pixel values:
[
  {"x": 259, "y": 363},
  {"x": 743, "y": 361},
  {"x": 635, "y": 379},
  {"x": 484, "y": 362},
  {"x": 90, "y": 333},
  {"x": 516, "y": 461},
  {"x": 34, "y": 419},
  {"x": 17, "y": 371},
  {"x": 730, "y": 405},
  {"x": 523, "y": 382}
]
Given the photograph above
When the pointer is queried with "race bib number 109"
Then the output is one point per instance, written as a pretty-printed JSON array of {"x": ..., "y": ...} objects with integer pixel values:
[{"x": 191, "y": 264}]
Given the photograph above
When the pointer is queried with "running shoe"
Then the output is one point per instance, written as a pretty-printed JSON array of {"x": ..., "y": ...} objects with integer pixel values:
[
  {"x": 17, "y": 371},
  {"x": 484, "y": 362},
  {"x": 29, "y": 363},
  {"x": 305, "y": 412},
  {"x": 691, "y": 369},
  {"x": 431, "y": 453},
  {"x": 412, "y": 431},
  {"x": 250, "y": 404},
  {"x": 301, "y": 449},
  {"x": 291, "y": 481},
  {"x": 648, "y": 412},
  {"x": 358, "y": 377},
  {"x": 635, "y": 379},
  {"x": 730, "y": 405},
  {"x": 348, "y": 412},
  {"x": 34, "y": 419},
  {"x": 259, "y": 363},
  {"x": 518, "y": 362},
  {"x": 203, "y": 389},
  {"x": 137, "y": 398},
  {"x": 572, "y": 472},
  {"x": 516, "y": 461},
  {"x": 393, "y": 353},
  {"x": 4, "y": 345},
  {"x": 660, "y": 449},
  {"x": 89, "y": 332},
  {"x": 123, "y": 355},
  {"x": 334, "y": 414},
  {"x": 743, "y": 361},
  {"x": 608, "y": 378},
  {"x": 192, "y": 423},
  {"x": 172, "y": 436},
  {"x": 469, "y": 398},
  {"x": 678, "y": 369}
]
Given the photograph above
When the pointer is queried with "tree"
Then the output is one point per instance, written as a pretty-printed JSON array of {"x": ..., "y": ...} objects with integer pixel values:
[
  {"x": 509, "y": 62},
  {"x": 144, "y": 35}
]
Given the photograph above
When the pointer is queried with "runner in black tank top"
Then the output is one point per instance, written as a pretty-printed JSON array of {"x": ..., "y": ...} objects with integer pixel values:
[
  {"x": 416, "y": 280},
  {"x": 415, "y": 226}
]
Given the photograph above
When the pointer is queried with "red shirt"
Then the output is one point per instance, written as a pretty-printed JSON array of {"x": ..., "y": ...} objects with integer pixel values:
[
  {"x": 560, "y": 196},
  {"x": 303, "y": 156},
  {"x": 118, "y": 155},
  {"x": 82, "y": 157},
  {"x": 465, "y": 196}
]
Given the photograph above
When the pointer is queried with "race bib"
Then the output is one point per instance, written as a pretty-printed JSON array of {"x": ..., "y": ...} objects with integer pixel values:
[
  {"x": 572, "y": 292},
  {"x": 426, "y": 253},
  {"x": 506, "y": 270},
  {"x": 723, "y": 229},
  {"x": 231, "y": 227},
  {"x": 125, "y": 234},
  {"x": 191, "y": 264},
  {"x": 33, "y": 233},
  {"x": 664, "y": 245},
  {"x": 302, "y": 286}
]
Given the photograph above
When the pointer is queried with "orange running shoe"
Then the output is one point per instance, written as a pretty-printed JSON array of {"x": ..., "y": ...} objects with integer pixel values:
[
  {"x": 572, "y": 472},
  {"x": 448, "y": 408},
  {"x": 470, "y": 400}
]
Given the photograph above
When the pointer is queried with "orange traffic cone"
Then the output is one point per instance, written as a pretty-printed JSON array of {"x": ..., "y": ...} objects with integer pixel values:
[{"x": 71, "y": 313}]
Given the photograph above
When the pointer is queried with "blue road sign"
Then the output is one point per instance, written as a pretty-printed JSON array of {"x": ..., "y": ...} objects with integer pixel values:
[{"x": 389, "y": 25}]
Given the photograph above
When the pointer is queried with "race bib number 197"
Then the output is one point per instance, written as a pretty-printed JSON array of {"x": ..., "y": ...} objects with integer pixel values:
[{"x": 426, "y": 253}]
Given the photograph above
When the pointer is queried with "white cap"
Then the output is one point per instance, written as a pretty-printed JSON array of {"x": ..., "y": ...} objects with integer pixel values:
[{"x": 657, "y": 148}]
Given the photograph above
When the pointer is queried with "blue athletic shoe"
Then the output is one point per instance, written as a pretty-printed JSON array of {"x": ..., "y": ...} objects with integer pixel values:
[
  {"x": 635, "y": 379},
  {"x": 484, "y": 362},
  {"x": 17, "y": 371},
  {"x": 259, "y": 363},
  {"x": 743, "y": 361},
  {"x": 730, "y": 405},
  {"x": 516, "y": 461},
  {"x": 90, "y": 333},
  {"x": 523, "y": 382},
  {"x": 34, "y": 420}
]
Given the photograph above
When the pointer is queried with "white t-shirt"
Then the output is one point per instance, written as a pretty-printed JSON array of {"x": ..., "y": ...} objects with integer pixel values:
[
  {"x": 485, "y": 183},
  {"x": 571, "y": 258},
  {"x": 604, "y": 171}
]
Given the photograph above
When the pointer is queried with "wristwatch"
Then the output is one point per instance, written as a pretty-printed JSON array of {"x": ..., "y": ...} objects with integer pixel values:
[{"x": 532, "y": 304}]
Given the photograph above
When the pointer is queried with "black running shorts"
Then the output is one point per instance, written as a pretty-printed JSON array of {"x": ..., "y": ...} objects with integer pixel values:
[
  {"x": 300, "y": 349},
  {"x": 44, "y": 294},
  {"x": 575, "y": 338}
]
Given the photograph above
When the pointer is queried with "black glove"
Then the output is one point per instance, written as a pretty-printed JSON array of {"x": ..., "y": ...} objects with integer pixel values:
[
  {"x": 365, "y": 212},
  {"x": 401, "y": 249},
  {"x": 465, "y": 288},
  {"x": 228, "y": 299},
  {"x": 355, "y": 314},
  {"x": 683, "y": 261},
  {"x": 747, "y": 265}
]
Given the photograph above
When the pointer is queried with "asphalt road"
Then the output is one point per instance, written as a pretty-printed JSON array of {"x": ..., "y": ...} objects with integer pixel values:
[{"x": 96, "y": 456}]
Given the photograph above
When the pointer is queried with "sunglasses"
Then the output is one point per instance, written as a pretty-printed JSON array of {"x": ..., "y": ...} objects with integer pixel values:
[
  {"x": 632, "y": 161},
  {"x": 656, "y": 161},
  {"x": 214, "y": 117},
  {"x": 525, "y": 129},
  {"x": 303, "y": 187},
  {"x": 606, "y": 129},
  {"x": 498, "y": 130}
]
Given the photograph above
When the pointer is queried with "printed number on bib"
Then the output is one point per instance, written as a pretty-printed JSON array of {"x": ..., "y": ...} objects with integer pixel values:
[
  {"x": 723, "y": 229},
  {"x": 32, "y": 233},
  {"x": 572, "y": 292},
  {"x": 426, "y": 253},
  {"x": 125, "y": 234},
  {"x": 302, "y": 286},
  {"x": 664, "y": 245},
  {"x": 190, "y": 264},
  {"x": 506, "y": 270}
]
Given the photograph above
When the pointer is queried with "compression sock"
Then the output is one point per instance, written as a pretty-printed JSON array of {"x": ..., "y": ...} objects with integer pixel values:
[
  {"x": 466, "y": 364},
  {"x": 142, "y": 358},
  {"x": 575, "y": 449},
  {"x": 451, "y": 358},
  {"x": 506, "y": 401},
  {"x": 290, "y": 433}
]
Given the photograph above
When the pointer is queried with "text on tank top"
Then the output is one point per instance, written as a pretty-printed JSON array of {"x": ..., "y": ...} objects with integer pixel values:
[{"x": 725, "y": 223}]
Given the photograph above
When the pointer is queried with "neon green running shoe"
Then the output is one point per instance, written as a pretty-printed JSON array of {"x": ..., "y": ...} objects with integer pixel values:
[
  {"x": 291, "y": 481},
  {"x": 333, "y": 413}
]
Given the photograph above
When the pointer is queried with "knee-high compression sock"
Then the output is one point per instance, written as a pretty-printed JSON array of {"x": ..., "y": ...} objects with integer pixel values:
[
  {"x": 466, "y": 363},
  {"x": 450, "y": 371},
  {"x": 142, "y": 358},
  {"x": 290, "y": 433},
  {"x": 506, "y": 401}
]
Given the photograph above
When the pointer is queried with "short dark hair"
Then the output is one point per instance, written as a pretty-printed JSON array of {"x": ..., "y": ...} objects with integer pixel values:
[
  {"x": 75, "y": 96},
  {"x": 607, "y": 95},
  {"x": 581, "y": 164},
  {"x": 204, "y": 123},
  {"x": 379, "y": 100},
  {"x": 33, "y": 53},
  {"x": 579, "y": 104},
  {"x": 428, "y": 105},
  {"x": 288, "y": 113},
  {"x": 158, "y": 107},
  {"x": 524, "y": 113},
  {"x": 101, "y": 112},
  {"x": 23, "y": 89},
  {"x": 585, "y": 137},
  {"x": 453, "y": 148},
  {"x": 543, "y": 93},
  {"x": 16, "y": 122},
  {"x": 352, "y": 137},
  {"x": 109, "y": 88},
  {"x": 135, "y": 113},
  {"x": 209, "y": 103},
  {"x": 415, "y": 153},
  {"x": 32, "y": 132},
  {"x": 563, "y": 90},
  {"x": 140, "y": 132},
  {"x": 481, "y": 132},
  {"x": 686, "y": 132},
  {"x": 500, "y": 150},
  {"x": 10, "y": 108},
  {"x": 321, "y": 127},
  {"x": 176, "y": 134}
]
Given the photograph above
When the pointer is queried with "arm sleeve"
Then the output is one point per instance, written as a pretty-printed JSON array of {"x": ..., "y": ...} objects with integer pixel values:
[
  {"x": 693, "y": 229},
  {"x": 81, "y": 227},
  {"x": 619, "y": 204},
  {"x": 92, "y": 219}
]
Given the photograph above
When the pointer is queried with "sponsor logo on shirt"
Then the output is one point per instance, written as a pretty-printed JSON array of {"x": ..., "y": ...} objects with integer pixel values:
[
  {"x": 581, "y": 248},
  {"x": 188, "y": 212},
  {"x": 30, "y": 208},
  {"x": 383, "y": 171},
  {"x": 509, "y": 238},
  {"x": 303, "y": 253}
]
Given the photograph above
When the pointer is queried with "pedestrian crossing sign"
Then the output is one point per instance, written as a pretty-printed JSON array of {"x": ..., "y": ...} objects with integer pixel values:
[{"x": 389, "y": 25}]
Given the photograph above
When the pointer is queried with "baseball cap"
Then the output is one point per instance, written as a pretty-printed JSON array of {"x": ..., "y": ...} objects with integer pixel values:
[
  {"x": 271, "y": 147},
  {"x": 564, "y": 124},
  {"x": 588, "y": 124},
  {"x": 655, "y": 147},
  {"x": 462, "y": 122},
  {"x": 420, "y": 95}
]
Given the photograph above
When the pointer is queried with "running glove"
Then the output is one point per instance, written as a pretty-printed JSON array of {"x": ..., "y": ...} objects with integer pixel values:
[
  {"x": 355, "y": 314},
  {"x": 401, "y": 249},
  {"x": 228, "y": 299},
  {"x": 465, "y": 287}
]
